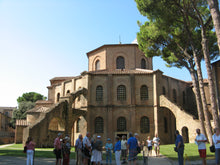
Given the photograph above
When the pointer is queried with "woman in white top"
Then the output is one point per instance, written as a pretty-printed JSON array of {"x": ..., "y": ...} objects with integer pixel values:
[
  {"x": 149, "y": 146},
  {"x": 216, "y": 141}
]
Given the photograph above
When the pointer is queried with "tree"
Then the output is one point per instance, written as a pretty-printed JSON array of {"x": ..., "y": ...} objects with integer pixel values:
[
  {"x": 31, "y": 96},
  {"x": 214, "y": 10},
  {"x": 25, "y": 102},
  {"x": 174, "y": 35}
]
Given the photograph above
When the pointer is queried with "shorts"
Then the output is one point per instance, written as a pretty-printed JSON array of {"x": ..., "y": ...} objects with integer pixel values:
[
  {"x": 132, "y": 154},
  {"x": 156, "y": 147},
  {"x": 149, "y": 148},
  {"x": 124, "y": 153},
  {"x": 202, "y": 153},
  {"x": 58, "y": 154}
]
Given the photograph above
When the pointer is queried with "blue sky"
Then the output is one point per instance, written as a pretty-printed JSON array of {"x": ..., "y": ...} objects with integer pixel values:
[{"x": 42, "y": 39}]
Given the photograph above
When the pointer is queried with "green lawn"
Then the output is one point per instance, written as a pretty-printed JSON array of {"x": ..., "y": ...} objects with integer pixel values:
[{"x": 191, "y": 151}]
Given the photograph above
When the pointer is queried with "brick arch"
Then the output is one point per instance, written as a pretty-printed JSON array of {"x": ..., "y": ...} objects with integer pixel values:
[
  {"x": 94, "y": 62},
  {"x": 182, "y": 117}
]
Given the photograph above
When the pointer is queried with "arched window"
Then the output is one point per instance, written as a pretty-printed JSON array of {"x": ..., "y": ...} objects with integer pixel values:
[
  {"x": 121, "y": 93},
  {"x": 184, "y": 98},
  {"x": 143, "y": 64},
  {"x": 58, "y": 97},
  {"x": 174, "y": 95},
  {"x": 145, "y": 124},
  {"x": 68, "y": 91},
  {"x": 120, "y": 63},
  {"x": 144, "y": 92},
  {"x": 165, "y": 125},
  {"x": 78, "y": 126},
  {"x": 97, "y": 65},
  {"x": 121, "y": 124},
  {"x": 164, "y": 90},
  {"x": 99, "y": 93},
  {"x": 99, "y": 124}
]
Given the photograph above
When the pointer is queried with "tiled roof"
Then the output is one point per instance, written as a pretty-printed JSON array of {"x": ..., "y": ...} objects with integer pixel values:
[
  {"x": 21, "y": 123},
  {"x": 44, "y": 102},
  {"x": 124, "y": 71},
  {"x": 38, "y": 109},
  {"x": 61, "y": 78}
]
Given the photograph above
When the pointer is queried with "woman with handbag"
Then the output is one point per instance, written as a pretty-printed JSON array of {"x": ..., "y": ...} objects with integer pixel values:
[
  {"x": 216, "y": 141},
  {"x": 30, "y": 150}
]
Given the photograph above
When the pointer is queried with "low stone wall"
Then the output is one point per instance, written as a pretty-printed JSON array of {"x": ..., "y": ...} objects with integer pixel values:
[{"x": 7, "y": 137}]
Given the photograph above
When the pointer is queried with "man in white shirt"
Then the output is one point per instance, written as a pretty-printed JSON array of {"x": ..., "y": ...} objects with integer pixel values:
[
  {"x": 156, "y": 141},
  {"x": 124, "y": 149},
  {"x": 200, "y": 141}
]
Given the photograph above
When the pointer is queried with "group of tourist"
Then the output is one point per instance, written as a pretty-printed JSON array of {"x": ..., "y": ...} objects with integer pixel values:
[{"x": 89, "y": 149}]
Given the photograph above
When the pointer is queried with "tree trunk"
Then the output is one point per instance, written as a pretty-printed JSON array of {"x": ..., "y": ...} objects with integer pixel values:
[
  {"x": 204, "y": 102},
  {"x": 198, "y": 100},
  {"x": 214, "y": 10},
  {"x": 213, "y": 98}
]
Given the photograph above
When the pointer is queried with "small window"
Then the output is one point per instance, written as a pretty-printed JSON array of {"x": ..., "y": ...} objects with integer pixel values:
[
  {"x": 99, "y": 124},
  {"x": 143, "y": 64},
  {"x": 121, "y": 93},
  {"x": 68, "y": 91},
  {"x": 58, "y": 97},
  {"x": 121, "y": 124},
  {"x": 97, "y": 65},
  {"x": 164, "y": 90},
  {"x": 78, "y": 126},
  {"x": 99, "y": 93},
  {"x": 174, "y": 96},
  {"x": 184, "y": 98},
  {"x": 145, "y": 124},
  {"x": 144, "y": 92},
  {"x": 165, "y": 125},
  {"x": 120, "y": 63}
]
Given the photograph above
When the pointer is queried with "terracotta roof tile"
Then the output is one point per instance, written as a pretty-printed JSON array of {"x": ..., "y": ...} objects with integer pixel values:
[
  {"x": 124, "y": 71},
  {"x": 38, "y": 109}
]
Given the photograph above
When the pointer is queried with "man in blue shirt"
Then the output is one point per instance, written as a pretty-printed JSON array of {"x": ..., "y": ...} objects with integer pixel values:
[
  {"x": 78, "y": 149},
  {"x": 179, "y": 147},
  {"x": 117, "y": 151},
  {"x": 132, "y": 147}
]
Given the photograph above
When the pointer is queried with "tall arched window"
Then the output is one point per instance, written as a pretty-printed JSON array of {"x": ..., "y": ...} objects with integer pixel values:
[
  {"x": 97, "y": 65},
  {"x": 99, "y": 125},
  {"x": 143, "y": 64},
  {"x": 144, "y": 92},
  {"x": 121, "y": 124},
  {"x": 121, "y": 93},
  {"x": 145, "y": 124},
  {"x": 58, "y": 97},
  {"x": 164, "y": 91},
  {"x": 120, "y": 63},
  {"x": 165, "y": 125},
  {"x": 78, "y": 126},
  {"x": 99, "y": 93},
  {"x": 174, "y": 95},
  {"x": 184, "y": 98}
]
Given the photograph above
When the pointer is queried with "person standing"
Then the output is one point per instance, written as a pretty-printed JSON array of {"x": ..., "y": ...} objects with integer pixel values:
[
  {"x": 86, "y": 148},
  {"x": 124, "y": 149},
  {"x": 57, "y": 146},
  {"x": 149, "y": 146},
  {"x": 78, "y": 149},
  {"x": 132, "y": 147},
  {"x": 200, "y": 141},
  {"x": 108, "y": 148},
  {"x": 216, "y": 141},
  {"x": 156, "y": 141},
  {"x": 97, "y": 151},
  {"x": 66, "y": 151},
  {"x": 179, "y": 147},
  {"x": 30, "y": 150},
  {"x": 117, "y": 151}
]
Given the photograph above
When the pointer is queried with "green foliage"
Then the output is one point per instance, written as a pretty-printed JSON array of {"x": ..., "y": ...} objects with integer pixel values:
[
  {"x": 172, "y": 30},
  {"x": 25, "y": 103},
  {"x": 31, "y": 96}
]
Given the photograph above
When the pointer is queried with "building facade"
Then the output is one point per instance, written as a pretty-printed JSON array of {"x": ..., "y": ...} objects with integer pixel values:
[{"x": 120, "y": 93}]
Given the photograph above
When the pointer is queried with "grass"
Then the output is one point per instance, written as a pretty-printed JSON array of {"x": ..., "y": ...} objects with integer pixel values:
[{"x": 191, "y": 150}]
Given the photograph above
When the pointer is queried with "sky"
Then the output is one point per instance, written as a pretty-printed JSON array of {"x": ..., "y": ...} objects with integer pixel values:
[{"x": 42, "y": 39}]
